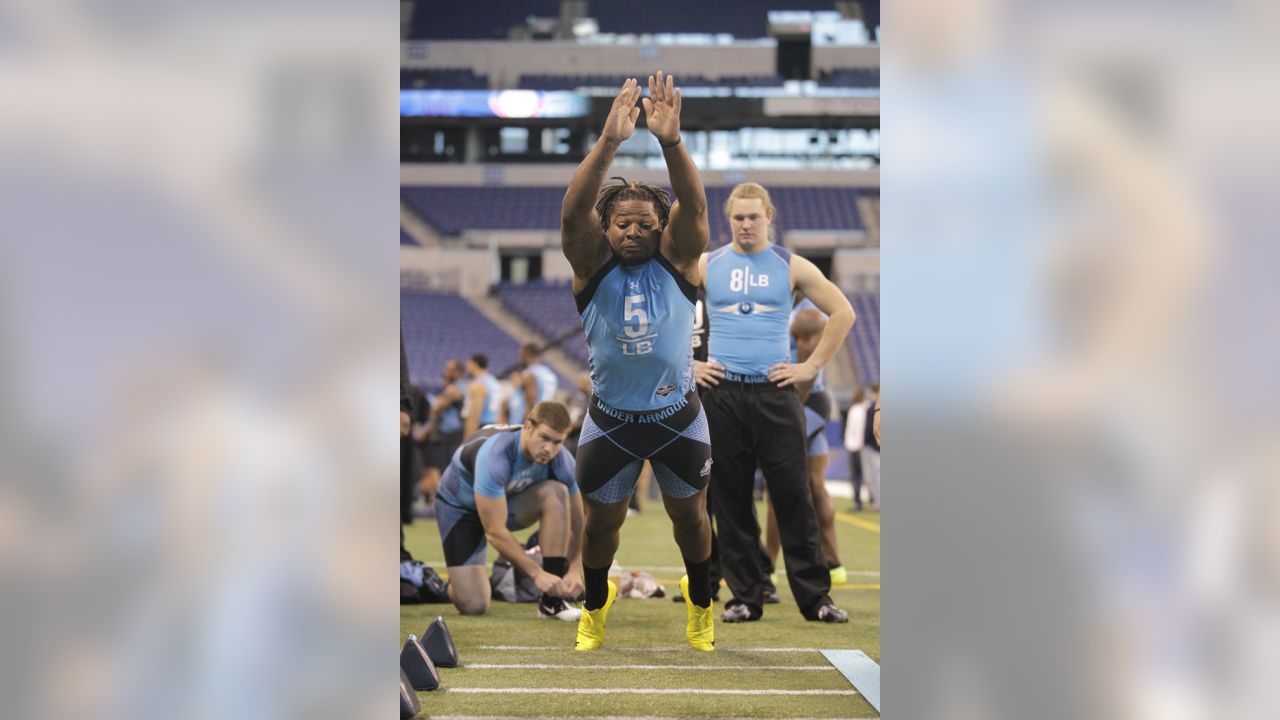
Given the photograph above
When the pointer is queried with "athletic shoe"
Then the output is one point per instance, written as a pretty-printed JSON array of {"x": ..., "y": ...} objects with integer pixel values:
[
  {"x": 701, "y": 628},
  {"x": 554, "y": 607},
  {"x": 591, "y": 624},
  {"x": 769, "y": 593},
  {"x": 839, "y": 576},
  {"x": 738, "y": 613},
  {"x": 831, "y": 614},
  {"x": 679, "y": 597},
  {"x": 773, "y": 579}
]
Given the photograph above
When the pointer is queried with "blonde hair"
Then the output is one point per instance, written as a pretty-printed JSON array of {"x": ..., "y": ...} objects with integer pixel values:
[{"x": 748, "y": 191}]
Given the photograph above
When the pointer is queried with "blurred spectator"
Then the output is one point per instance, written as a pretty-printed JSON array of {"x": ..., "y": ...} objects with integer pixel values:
[
  {"x": 860, "y": 438},
  {"x": 853, "y": 443},
  {"x": 444, "y": 428}
]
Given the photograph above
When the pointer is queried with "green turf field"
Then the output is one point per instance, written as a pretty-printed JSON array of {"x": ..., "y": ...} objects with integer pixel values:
[{"x": 510, "y": 649}]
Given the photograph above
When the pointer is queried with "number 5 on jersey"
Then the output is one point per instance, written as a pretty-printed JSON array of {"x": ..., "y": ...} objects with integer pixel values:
[{"x": 635, "y": 324}]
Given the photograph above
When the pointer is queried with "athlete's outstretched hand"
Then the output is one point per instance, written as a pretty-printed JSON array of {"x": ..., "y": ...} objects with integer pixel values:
[
  {"x": 707, "y": 374},
  {"x": 662, "y": 109},
  {"x": 624, "y": 113},
  {"x": 784, "y": 374}
]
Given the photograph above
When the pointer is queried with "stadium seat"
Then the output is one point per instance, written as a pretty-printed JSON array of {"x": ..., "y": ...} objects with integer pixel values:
[{"x": 439, "y": 326}]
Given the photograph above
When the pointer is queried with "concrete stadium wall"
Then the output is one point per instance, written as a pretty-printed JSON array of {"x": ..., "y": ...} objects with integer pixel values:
[
  {"x": 464, "y": 270},
  {"x": 826, "y": 57},
  {"x": 558, "y": 175},
  {"x": 470, "y": 271},
  {"x": 504, "y": 61}
]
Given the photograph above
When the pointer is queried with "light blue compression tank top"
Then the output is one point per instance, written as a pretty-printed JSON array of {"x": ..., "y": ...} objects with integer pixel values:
[
  {"x": 546, "y": 381},
  {"x": 516, "y": 407},
  {"x": 488, "y": 413},
  {"x": 638, "y": 320},
  {"x": 451, "y": 417},
  {"x": 749, "y": 310}
]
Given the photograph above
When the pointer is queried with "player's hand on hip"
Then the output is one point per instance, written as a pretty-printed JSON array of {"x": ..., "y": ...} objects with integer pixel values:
[
  {"x": 546, "y": 581},
  {"x": 662, "y": 109},
  {"x": 786, "y": 374},
  {"x": 707, "y": 374},
  {"x": 404, "y": 423},
  {"x": 624, "y": 113}
]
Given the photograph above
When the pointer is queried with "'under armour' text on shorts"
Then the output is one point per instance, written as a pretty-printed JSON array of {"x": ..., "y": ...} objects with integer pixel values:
[{"x": 614, "y": 445}]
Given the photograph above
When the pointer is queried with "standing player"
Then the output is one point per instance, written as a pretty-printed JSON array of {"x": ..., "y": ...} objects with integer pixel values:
[
  {"x": 444, "y": 427},
  {"x": 538, "y": 381},
  {"x": 755, "y": 412},
  {"x": 517, "y": 402},
  {"x": 504, "y": 478},
  {"x": 807, "y": 324},
  {"x": 635, "y": 265},
  {"x": 482, "y": 395}
]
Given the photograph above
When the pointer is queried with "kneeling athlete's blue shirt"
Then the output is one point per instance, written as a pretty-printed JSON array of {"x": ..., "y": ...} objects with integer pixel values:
[{"x": 491, "y": 465}]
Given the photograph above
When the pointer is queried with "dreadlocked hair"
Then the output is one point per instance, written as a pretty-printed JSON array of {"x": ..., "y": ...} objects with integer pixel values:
[{"x": 632, "y": 190}]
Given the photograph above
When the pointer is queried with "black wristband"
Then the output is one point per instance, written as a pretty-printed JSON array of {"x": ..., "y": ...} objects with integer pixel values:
[{"x": 677, "y": 142}]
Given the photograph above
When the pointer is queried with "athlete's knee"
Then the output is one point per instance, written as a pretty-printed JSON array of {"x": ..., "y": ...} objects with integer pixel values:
[
  {"x": 468, "y": 603},
  {"x": 472, "y": 605},
  {"x": 600, "y": 526},
  {"x": 553, "y": 493},
  {"x": 688, "y": 513}
]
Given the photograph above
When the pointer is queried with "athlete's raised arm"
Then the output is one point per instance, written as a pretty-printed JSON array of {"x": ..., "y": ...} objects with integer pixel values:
[
  {"x": 581, "y": 236},
  {"x": 685, "y": 237}
]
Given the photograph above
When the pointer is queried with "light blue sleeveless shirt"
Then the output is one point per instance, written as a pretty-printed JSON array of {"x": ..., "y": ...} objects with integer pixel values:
[
  {"x": 451, "y": 417},
  {"x": 546, "y": 381},
  {"x": 638, "y": 320},
  {"x": 749, "y": 310},
  {"x": 516, "y": 406},
  {"x": 488, "y": 413}
]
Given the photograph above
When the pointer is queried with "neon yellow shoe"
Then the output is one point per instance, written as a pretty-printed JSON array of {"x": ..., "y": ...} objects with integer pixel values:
[
  {"x": 839, "y": 576},
  {"x": 773, "y": 579},
  {"x": 701, "y": 628},
  {"x": 591, "y": 624}
]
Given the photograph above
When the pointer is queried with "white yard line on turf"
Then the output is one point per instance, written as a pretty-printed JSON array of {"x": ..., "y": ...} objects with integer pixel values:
[
  {"x": 539, "y": 666},
  {"x": 649, "y": 649},
  {"x": 642, "y": 691},
  {"x": 680, "y": 569},
  {"x": 590, "y": 717}
]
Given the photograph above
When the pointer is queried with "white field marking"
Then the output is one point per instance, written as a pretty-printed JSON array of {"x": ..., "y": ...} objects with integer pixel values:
[
  {"x": 643, "y": 691},
  {"x": 648, "y": 649},
  {"x": 612, "y": 718},
  {"x": 680, "y": 569},
  {"x": 538, "y": 666}
]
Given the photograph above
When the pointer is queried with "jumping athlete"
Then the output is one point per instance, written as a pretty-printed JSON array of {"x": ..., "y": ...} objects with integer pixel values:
[{"x": 635, "y": 255}]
